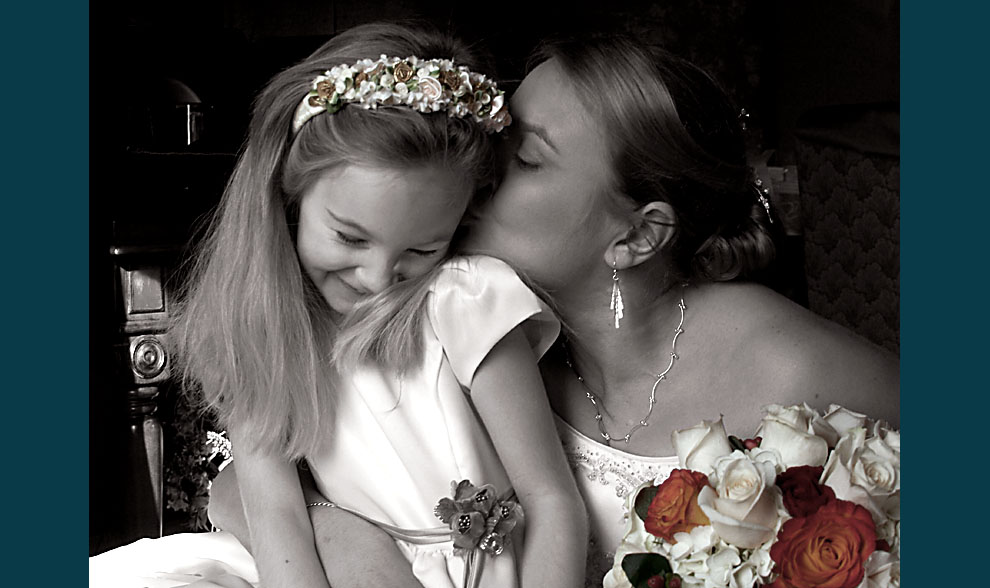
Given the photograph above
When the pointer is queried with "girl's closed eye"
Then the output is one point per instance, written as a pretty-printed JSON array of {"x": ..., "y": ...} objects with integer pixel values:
[
  {"x": 424, "y": 252},
  {"x": 349, "y": 240}
]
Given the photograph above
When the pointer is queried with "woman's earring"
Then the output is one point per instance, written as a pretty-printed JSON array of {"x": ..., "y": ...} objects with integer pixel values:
[{"x": 616, "y": 305}]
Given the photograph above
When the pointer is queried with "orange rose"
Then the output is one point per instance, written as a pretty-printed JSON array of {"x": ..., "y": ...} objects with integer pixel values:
[
  {"x": 675, "y": 508},
  {"x": 828, "y": 548}
]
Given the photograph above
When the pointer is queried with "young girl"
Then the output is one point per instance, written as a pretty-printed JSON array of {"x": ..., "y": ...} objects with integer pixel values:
[{"x": 333, "y": 238}]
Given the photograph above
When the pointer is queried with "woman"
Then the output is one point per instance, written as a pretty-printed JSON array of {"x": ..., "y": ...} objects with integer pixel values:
[{"x": 627, "y": 198}]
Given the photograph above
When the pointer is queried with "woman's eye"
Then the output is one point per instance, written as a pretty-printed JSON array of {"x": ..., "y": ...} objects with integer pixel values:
[
  {"x": 348, "y": 239},
  {"x": 524, "y": 164}
]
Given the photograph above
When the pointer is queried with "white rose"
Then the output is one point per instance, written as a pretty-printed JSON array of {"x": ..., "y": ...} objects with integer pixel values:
[
  {"x": 742, "y": 507},
  {"x": 843, "y": 419},
  {"x": 882, "y": 571},
  {"x": 769, "y": 456},
  {"x": 430, "y": 88},
  {"x": 867, "y": 471},
  {"x": 797, "y": 433},
  {"x": 698, "y": 447}
]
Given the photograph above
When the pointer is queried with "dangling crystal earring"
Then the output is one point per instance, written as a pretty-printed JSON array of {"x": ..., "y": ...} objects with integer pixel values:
[{"x": 616, "y": 305}]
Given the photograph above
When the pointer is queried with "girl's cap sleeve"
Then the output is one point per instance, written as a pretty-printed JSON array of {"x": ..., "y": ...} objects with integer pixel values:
[{"x": 477, "y": 300}]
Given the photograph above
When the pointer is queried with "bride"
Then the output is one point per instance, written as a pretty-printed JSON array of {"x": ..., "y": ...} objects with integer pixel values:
[{"x": 627, "y": 199}]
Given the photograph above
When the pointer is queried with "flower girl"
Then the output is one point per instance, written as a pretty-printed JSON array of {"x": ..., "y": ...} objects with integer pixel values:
[{"x": 326, "y": 320}]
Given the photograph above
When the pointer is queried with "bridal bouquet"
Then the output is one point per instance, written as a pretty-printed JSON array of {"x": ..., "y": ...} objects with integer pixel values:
[{"x": 812, "y": 500}]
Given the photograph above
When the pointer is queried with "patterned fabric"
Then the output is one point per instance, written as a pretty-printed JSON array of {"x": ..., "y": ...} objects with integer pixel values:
[
  {"x": 605, "y": 476},
  {"x": 851, "y": 207}
]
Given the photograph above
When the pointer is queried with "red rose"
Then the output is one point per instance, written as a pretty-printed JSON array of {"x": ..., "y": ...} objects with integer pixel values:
[
  {"x": 675, "y": 508},
  {"x": 826, "y": 549},
  {"x": 803, "y": 495}
]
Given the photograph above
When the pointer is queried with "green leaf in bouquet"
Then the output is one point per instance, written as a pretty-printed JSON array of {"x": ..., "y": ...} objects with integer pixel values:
[
  {"x": 737, "y": 443},
  {"x": 640, "y": 567},
  {"x": 643, "y": 500}
]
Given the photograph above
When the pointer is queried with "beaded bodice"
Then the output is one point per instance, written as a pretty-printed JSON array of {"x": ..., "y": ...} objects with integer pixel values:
[{"x": 605, "y": 476}]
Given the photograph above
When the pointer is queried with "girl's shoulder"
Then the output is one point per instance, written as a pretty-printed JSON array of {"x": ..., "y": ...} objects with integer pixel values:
[
  {"x": 475, "y": 273},
  {"x": 477, "y": 264}
]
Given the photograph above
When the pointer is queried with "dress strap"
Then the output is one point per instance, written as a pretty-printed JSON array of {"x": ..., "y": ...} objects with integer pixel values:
[
  {"x": 417, "y": 536},
  {"x": 474, "y": 562}
]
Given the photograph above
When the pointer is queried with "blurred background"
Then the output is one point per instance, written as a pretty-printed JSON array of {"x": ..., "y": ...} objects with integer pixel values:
[{"x": 170, "y": 91}]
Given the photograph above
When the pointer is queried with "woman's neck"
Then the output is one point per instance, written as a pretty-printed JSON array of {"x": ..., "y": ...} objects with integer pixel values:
[{"x": 611, "y": 360}]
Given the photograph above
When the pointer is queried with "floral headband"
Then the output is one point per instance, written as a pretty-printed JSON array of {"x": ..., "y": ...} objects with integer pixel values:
[{"x": 430, "y": 85}]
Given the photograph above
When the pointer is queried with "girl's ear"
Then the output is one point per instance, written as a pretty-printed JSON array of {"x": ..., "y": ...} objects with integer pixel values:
[{"x": 654, "y": 225}]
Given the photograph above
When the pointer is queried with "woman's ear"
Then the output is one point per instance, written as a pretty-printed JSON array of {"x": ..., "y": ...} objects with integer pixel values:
[{"x": 654, "y": 225}]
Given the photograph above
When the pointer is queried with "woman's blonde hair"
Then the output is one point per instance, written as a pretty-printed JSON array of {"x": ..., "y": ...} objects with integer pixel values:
[{"x": 252, "y": 334}]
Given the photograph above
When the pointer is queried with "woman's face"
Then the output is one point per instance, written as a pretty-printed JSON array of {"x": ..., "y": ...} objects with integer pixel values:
[{"x": 549, "y": 215}]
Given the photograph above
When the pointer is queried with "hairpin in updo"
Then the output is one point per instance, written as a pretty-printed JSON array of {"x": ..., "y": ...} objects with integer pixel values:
[
  {"x": 431, "y": 85},
  {"x": 763, "y": 196}
]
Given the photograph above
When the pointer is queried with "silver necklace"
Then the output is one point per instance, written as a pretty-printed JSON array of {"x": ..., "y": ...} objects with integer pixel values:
[{"x": 645, "y": 421}]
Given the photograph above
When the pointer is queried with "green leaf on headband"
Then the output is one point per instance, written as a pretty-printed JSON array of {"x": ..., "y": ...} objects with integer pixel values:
[{"x": 643, "y": 500}]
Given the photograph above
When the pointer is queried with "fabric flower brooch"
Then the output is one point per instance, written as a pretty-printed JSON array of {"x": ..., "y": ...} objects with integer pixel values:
[{"x": 477, "y": 518}]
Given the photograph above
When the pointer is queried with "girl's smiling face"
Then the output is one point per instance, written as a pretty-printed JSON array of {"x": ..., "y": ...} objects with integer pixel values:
[{"x": 362, "y": 229}]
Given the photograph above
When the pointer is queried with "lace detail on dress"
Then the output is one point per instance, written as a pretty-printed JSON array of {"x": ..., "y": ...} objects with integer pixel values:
[
  {"x": 606, "y": 476},
  {"x": 607, "y": 469}
]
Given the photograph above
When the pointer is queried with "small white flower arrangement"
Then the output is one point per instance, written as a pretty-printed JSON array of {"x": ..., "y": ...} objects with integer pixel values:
[{"x": 432, "y": 85}]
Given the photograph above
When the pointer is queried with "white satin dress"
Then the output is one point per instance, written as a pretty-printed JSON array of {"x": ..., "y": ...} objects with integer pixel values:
[{"x": 398, "y": 444}]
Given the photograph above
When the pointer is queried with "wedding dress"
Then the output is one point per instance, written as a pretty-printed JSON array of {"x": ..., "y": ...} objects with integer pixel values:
[{"x": 605, "y": 476}]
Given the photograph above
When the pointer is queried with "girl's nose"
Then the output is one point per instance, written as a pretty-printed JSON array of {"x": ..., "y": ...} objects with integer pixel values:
[{"x": 378, "y": 274}]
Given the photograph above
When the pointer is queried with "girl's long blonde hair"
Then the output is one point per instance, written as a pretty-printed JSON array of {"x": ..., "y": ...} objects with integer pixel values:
[{"x": 251, "y": 333}]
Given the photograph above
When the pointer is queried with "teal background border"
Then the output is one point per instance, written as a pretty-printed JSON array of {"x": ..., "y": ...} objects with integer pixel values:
[
  {"x": 45, "y": 103},
  {"x": 45, "y": 187},
  {"x": 944, "y": 134}
]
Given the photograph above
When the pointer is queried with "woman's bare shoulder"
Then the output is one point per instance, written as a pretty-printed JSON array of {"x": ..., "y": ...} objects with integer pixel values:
[{"x": 798, "y": 356}]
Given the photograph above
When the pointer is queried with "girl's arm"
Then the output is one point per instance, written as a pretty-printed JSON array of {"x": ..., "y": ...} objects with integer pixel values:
[
  {"x": 508, "y": 393},
  {"x": 354, "y": 553},
  {"x": 281, "y": 535}
]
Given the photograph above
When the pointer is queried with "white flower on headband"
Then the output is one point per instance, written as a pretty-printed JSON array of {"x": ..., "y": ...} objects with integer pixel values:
[{"x": 431, "y": 85}]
